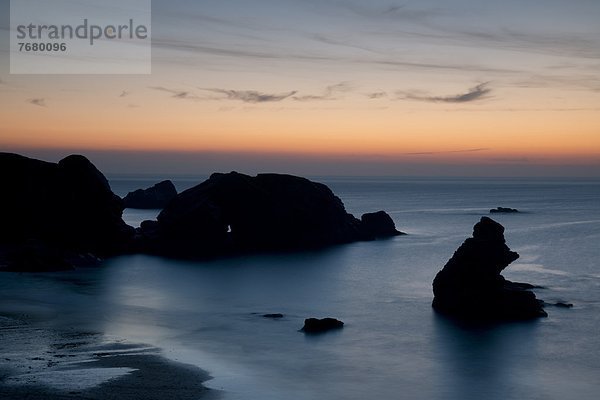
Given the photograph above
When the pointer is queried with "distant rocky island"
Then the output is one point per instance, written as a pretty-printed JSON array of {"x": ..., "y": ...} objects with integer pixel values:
[
  {"x": 471, "y": 287},
  {"x": 237, "y": 213},
  {"x": 62, "y": 215},
  {"x": 152, "y": 198}
]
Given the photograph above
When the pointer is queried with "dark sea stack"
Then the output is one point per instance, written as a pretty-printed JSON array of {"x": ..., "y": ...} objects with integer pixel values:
[
  {"x": 504, "y": 210},
  {"x": 67, "y": 206},
  {"x": 471, "y": 287},
  {"x": 315, "y": 326},
  {"x": 233, "y": 213},
  {"x": 155, "y": 197},
  {"x": 379, "y": 225}
]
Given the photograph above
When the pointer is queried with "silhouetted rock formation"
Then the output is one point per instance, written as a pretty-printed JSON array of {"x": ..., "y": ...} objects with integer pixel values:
[
  {"x": 57, "y": 216},
  {"x": 314, "y": 325},
  {"x": 470, "y": 285},
  {"x": 504, "y": 210},
  {"x": 67, "y": 207},
  {"x": 232, "y": 213},
  {"x": 379, "y": 224},
  {"x": 156, "y": 197}
]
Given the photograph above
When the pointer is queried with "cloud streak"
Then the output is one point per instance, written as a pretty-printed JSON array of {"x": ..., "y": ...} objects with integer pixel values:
[
  {"x": 177, "y": 94},
  {"x": 476, "y": 93},
  {"x": 330, "y": 92},
  {"x": 40, "y": 102},
  {"x": 276, "y": 54},
  {"x": 376, "y": 95},
  {"x": 251, "y": 96},
  {"x": 183, "y": 45},
  {"x": 427, "y": 153},
  {"x": 393, "y": 12}
]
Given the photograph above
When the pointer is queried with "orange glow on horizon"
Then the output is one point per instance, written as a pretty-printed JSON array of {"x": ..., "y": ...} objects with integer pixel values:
[
  {"x": 403, "y": 131},
  {"x": 384, "y": 133}
]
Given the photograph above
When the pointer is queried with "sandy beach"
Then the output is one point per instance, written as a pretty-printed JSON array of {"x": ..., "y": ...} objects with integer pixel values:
[{"x": 39, "y": 361}]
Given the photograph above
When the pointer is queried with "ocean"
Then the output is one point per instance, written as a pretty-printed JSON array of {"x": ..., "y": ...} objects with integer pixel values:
[{"x": 393, "y": 345}]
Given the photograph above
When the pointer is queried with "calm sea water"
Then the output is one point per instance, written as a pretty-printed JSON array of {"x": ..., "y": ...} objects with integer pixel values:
[{"x": 393, "y": 346}]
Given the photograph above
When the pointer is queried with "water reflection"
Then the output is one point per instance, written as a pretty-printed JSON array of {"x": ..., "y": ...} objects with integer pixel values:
[{"x": 485, "y": 361}]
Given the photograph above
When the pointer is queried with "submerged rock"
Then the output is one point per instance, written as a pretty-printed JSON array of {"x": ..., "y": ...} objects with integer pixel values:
[
  {"x": 314, "y": 325},
  {"x": 470, "y": 285},
  {"x": 155, "y": 197},
  {"x": 504, "y": 210},
  {"x": 233, "y": 213}
]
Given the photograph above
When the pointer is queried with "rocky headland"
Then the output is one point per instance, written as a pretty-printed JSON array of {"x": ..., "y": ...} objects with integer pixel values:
[{"x": 57, "y": 214}]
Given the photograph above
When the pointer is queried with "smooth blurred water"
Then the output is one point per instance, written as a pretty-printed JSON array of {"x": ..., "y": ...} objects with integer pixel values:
[{"x": 393, "y": 346}]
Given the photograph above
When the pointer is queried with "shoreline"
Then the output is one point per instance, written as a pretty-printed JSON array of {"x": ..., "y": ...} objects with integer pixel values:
[{"x": 40, "y": 362}]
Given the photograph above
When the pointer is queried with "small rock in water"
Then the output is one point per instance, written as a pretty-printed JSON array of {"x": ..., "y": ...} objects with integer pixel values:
[
  {"x": 314, "y": 325},
  {"x": 562, "y": 304},
  {"x": 273, "y": 316},
  {"x": 504, "y": 210},
  {"x": 379, "y": 225}
]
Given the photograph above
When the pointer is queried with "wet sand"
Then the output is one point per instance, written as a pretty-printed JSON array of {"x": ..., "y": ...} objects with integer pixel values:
[{"x": 38, "y": 361}]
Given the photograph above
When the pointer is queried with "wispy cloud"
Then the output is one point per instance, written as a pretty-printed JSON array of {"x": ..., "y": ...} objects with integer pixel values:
[
  {"x": 426, "y": 153},
  {"x": 327, "y": 39},
  {"x": 376, "y": 95},
  {"x": 566, "y": 45},
  {"x": 576, "y": 81},
  {"x": 478, "y": 92},
  {"x": 266, "y": 53},
  {"x": 187, "y": 46},
  {"x": 40, "y": 102},
  {"x": 442, "y": 66},
  {"x": 330, "y": 93},
  {"x": 394, "y": 11},
  {"x": 251, "y": 96},
  {"x": 176, "y": 93}
]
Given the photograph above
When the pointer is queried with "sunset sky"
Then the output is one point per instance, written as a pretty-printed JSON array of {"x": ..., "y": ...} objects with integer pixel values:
[{"x": 342, "y": 87}]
